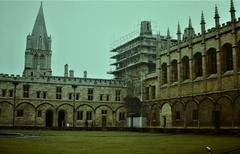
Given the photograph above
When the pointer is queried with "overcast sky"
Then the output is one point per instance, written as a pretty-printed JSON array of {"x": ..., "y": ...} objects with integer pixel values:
[{"x": 83, "y": 32}]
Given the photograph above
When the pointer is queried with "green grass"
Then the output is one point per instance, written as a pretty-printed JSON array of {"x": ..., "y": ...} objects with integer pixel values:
[{"x": 103, "y": 142}]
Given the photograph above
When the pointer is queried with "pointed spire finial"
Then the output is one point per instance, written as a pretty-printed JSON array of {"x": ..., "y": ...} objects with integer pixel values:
[
  {"x": 178, "y": 29},
  {"x": 190, "y": 23},
  {"x": 216, "y": 12},
  {"x": 232, "y": 6},
  {"x": 232, "y": 11},
  {"x": 202, "y": 18},
  {"x": 168, "y": 33}
]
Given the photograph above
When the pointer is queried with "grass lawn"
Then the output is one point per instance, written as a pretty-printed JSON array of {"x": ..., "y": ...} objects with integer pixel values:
[{"x": 103, "y": 142}]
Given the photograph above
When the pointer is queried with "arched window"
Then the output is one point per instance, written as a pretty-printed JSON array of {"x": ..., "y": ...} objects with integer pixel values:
[
  {"x": 227, "y": 57},
  {"x": 185, "y": 68},
  {"x": 42, "y": 61},
  {"x": 164, "y": 73},
  {"x": 198, "y": 64},
  {"x": 211, "y": 61},
  {"x": 35, "y": 61},
  {"x": 174, "y": 70}
]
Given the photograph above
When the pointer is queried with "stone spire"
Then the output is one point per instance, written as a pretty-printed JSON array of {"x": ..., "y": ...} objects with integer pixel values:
[
  {"x": 203, "y": 23},
  {"x": 178, "y": 33},
  {"x": 216, "y": 17},
  {"x": 232, "y": 11},
  {"x": 38, "y": 49},
  {"x": 39, "y": 37},
  {"x": 189, "y": 23}
]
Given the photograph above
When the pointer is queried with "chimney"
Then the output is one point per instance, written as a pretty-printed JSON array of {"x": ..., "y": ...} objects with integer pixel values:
[
  {"x": 66, "y": 70},
  {"x": 71, "y": 73},
  {"x": 85, "y": 74}
]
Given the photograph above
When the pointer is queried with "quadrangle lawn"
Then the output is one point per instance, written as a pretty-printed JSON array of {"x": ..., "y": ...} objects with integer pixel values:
[{"x": 109, "y": 142}]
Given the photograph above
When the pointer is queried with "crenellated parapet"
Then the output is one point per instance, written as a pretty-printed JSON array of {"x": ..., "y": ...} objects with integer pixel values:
[{"x": 64, "y": 80}]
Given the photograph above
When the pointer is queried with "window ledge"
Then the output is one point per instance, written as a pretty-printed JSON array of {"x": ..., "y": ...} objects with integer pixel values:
[
  {"x": 164, "y": 85},
  {"x": 228, "y": 73},
  {"x": 186, "y": 81},
  {"x": 174, "y": 83},
  {"x": 212, "y": 76},
  {"x": 200, "y": 78}
]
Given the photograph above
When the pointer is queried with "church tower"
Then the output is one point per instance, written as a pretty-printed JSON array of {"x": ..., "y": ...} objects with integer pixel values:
[{"x": 38, "y": 49}]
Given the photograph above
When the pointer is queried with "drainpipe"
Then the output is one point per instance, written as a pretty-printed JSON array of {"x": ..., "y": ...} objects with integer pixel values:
[
  {"x": 15, "y": 83},
  {"x": 74, "y": 95}
]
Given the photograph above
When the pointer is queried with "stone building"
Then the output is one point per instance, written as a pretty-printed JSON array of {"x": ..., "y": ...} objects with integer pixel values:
[
  {"x": 191, "y": 81},
  {"x": 197, "y": 78},
  {"x": 39, "y": 99}
]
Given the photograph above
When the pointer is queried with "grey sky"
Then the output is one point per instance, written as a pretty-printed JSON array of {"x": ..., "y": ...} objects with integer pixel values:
[{"x": 83, "y": 32}]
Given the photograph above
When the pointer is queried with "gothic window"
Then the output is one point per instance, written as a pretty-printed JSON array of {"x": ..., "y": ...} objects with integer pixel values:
[
  {"x": 177, "y": 115},
  {"x": 104, "y": 112},
  {"x": 195, "y": 115},
  {"x": 147, "y": 93},
  {"x": 101, "y": 97},
  {"x": 118, "y": 94},
  {"x": 58, "y": 92},
  {"x": 198, "y": 64},
  {"x": 70, "y": 96},
  {"x": 35, "y": 61},
  {"x": 90, "y": 94},
  {"x": 38, "y": 94},
  {"x": 19, "y": 113},
  {"x": 227, "y": 57},
  {"x": 185, "y": 68},
  {"x": 44, "y": 94},
  {"x": 11, "y": 93},
  {"x": 153, "y": 92},
  {"x": 121, "y": 116},
  {"x": 42, "y": 61},
  {"x": 211, "y": 61},
  {"x": 79, "y": 115},
  {"x": 174, "y": 70},
  {"x": 39, "y": 113},
  {"x": 3, "y": 92},
  {"x": 25, "y": 90},
  {"x": 164, "y": 73},
  {"x": 77, "y": 96},
  {"x": 107, "y": 97},
  {"x": 89, "y": 115}
]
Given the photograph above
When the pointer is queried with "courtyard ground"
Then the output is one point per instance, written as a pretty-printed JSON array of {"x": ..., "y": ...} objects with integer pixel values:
[{"x": 109, "y": 142}]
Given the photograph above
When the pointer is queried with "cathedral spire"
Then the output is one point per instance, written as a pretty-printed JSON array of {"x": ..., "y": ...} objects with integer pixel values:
[
  {"x": 39, "y": 25},
  {"x": 40, "y": 39}
]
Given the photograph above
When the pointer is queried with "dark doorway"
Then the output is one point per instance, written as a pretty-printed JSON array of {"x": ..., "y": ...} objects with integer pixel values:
[
  {"x": 104, "y": 121},
  {"x": 61, "y": 118},
  {"x": 164, "y": 121},
  {"x": 49, "y": 118},
  {"x": 216, "y": 119}
]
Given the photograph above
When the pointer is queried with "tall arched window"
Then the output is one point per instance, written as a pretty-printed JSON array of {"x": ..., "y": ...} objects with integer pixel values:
[
  {"x": 211, "y": 61},
  {"x": 174, "y": 70},
  {"x": 227, "y": 57},
  {"x": 185, "y": 68},
  {"x": 42, "y": 61},
  {"x": 35, "y": 61},
  {"x": 198, "y": 64},
  {"x": 164, "y": 73}
]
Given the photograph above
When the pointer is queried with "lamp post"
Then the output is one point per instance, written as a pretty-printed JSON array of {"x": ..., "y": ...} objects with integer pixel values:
[
  {"x": 74, "y": 97},
  {"x": 15, "y": 83}
]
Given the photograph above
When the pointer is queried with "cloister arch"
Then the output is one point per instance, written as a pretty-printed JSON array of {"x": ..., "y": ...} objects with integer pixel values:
[{"x": 166, "y": 115}]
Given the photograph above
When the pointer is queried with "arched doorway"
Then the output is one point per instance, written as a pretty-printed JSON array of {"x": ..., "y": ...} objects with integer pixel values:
[
  {"x": 49, "y": 118},
  {"x": 61, "y": 118}
]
